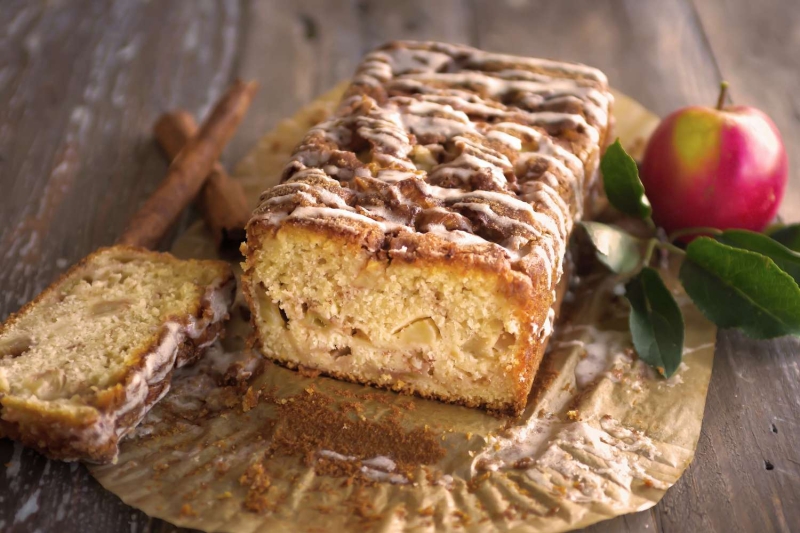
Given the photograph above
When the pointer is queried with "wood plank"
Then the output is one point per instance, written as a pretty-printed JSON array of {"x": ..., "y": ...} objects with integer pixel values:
[
  {"x": 653, "y": 51},
  {"x": 135, "y": 60},
  {"x": 663, "y": 65},
  {"x": 657, "y": 52},
  {"x": 80, "y": 86},
  {"x": 757, "y": 46},
  {"x": 420, "y": 20},
  {"x": 746, "y": 476},
  {"x": 748, "y": 466},
  {"x": 296, "y": 51},
  {"x": 96, "y": 75}
]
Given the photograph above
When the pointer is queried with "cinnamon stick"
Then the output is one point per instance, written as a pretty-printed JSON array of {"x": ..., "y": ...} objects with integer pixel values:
[
  {"x": 221, "y": 202},
  {"x": 189, "y": 169}
]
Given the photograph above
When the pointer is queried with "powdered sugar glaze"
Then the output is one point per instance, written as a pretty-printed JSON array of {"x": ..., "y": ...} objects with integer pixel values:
[{"x": 488, "y": 151}]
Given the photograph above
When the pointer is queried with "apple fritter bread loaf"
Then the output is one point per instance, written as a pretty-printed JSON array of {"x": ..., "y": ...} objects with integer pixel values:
[
  {"x": 418, "y": 237},
  {"x": 82, "y": 364}
]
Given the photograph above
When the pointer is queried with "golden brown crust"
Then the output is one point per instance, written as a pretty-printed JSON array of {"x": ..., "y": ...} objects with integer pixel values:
[
  {"x": 92, "y": 431},
  {"x": 447, "y": 189},
  {"x": 223, "y": 268},
  {"x": 446, "y": 155}
]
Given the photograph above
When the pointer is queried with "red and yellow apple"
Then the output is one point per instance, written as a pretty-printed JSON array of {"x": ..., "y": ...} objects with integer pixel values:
[{"x": 722, "y": 167}]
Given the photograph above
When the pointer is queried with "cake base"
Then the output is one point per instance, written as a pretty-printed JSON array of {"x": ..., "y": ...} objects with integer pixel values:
[{"x": 453, "y": 330}]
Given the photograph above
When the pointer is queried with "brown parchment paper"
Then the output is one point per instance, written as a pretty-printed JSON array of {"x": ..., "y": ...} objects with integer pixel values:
[{"x": 242, "y": 445}]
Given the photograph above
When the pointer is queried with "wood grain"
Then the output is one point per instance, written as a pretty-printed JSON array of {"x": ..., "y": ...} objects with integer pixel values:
[
  {"x": 443, "y": 20},
  {"x": 80, "y": 86},
  {"x": 663, "y": 65},
  {"x": 659, "y": 54},
  {"x": 296, "y": 50},
  {"x": 757, "y": 47},
  {"x": 748, "y": 464},
  {"x": 82, "y": 82},
  {"x": 752, "y": 421},
  {"x": 187, "y": 173},
  {"x": 653, "y": 51}
]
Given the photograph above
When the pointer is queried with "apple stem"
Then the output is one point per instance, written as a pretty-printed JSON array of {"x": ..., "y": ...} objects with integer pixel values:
[{"x": 723, "y": 94}]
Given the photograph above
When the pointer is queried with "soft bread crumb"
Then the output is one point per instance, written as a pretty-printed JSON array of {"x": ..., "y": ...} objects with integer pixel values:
[
  {"x": 84, "y": 361},
  {"x": 322, "y": 304},
  {"x": 89, "y": 330}
]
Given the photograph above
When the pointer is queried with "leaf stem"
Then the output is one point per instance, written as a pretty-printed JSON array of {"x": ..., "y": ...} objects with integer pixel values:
[
  {"x": 692, "y": 231},
  {"x": 648, "y": 252},
  {"x": 670, "y": 247},
  {"x": 723, "y": 94}
]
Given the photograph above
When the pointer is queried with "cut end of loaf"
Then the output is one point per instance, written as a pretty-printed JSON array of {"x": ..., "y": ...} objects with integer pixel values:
[
  {"x": 429, "y": 327},
  {"x": 81, "y": 364},
  {"x": 418, "y": 237}
]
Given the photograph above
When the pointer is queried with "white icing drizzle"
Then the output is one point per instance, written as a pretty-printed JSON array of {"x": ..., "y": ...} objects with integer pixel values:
[
  {"x": 392, "y": 176},
  {"x": 512, "y": 142},
  {"x": 457, "y": 236},
  {"x": 378, "y": 468},
  {"x": 547, "y": 328},
  {"x": 485, "y": 118},
  {"x": 331, "y": 213},
  {"x": 584, "y": 461},
  {"x": 602, "y": 352}
]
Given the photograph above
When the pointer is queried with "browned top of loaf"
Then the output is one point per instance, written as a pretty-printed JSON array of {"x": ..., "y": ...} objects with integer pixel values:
[{"x": 441, "y": 149}]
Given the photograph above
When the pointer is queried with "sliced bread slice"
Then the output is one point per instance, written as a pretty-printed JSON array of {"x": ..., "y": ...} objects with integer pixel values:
[{"x": 82, "y": 364}]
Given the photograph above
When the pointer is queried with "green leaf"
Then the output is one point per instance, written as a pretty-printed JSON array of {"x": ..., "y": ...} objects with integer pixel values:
[
  {"x": 656, "y": 322},
  {"x": 789, "y": 236},
  {"x": 787, "y": 260},
  {"x": 615, "y": 248},
  {"x": 737, "y": 288},
  {"x": 622, "y": 184}
]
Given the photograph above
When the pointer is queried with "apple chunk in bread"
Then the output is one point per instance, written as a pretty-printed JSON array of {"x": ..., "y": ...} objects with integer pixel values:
[
  {"x": 87, "y": 359},
  {"x": 417, "y": 240},
  {"x": 429, "y": 327}
]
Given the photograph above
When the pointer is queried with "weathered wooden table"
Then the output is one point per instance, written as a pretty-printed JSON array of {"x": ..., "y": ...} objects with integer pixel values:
[{"x": 82, "y": 82}]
